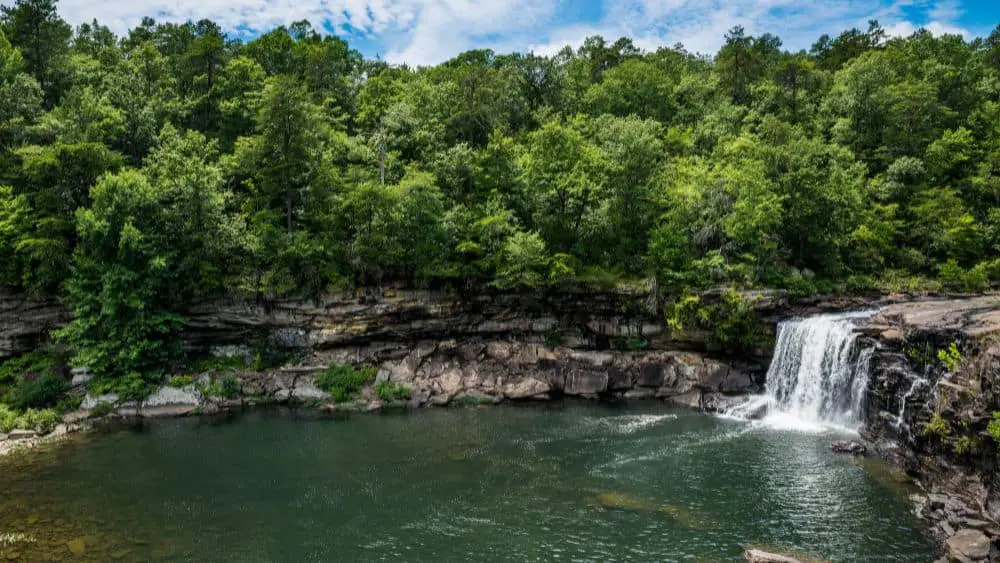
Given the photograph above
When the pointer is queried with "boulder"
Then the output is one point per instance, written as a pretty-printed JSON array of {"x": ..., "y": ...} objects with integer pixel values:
[
  {"x": 690, "y": 399},
  {"x": 91, "y": 401},
  {"x": 19, "y": 434},
  {"x": 848, "y": 447},
  {"x": 173, "y": 397},
  {"x": 80, "y": 376},
  {"x": 968, "y": 545},
  {"x": 525, "y": 389},
  {"x": 306, "y": 390},
  {"x": 758, "y": 556}
]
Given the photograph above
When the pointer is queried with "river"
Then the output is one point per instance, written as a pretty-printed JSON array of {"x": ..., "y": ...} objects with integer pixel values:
[{"x": 562, "y": 481}]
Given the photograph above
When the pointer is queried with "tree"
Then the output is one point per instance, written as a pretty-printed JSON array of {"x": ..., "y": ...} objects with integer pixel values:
[
  {"x": 285, "y": 150},
  {"x": 34, "y": 27}
]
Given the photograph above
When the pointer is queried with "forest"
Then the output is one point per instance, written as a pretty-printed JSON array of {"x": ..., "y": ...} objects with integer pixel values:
[{"x": 140, "y": 174}]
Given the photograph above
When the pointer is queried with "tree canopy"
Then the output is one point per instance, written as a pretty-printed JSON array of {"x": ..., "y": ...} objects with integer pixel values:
[{"x": 177, "y": 162}]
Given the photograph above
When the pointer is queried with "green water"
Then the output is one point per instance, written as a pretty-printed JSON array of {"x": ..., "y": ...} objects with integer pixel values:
[{"x": 570, "y": 483}]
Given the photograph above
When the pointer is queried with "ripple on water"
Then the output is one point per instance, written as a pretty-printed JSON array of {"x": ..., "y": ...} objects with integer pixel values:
[{"x": 487, "y": 485}]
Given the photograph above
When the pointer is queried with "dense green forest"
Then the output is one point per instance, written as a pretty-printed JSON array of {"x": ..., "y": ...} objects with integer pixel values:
[{"x": 141, "y": 173}]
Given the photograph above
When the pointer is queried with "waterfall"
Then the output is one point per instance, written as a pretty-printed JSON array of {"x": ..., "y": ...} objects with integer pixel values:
[{"x": 818, "y": 376}]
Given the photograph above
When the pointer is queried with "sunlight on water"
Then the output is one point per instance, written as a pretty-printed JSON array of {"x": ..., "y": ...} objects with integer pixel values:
[{"x": 572, "y": 482}]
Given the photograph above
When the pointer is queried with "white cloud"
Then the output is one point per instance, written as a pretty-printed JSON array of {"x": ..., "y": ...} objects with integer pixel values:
[
  {"x": 429, "y": 31},
  {"x": 445, "y": 28}
]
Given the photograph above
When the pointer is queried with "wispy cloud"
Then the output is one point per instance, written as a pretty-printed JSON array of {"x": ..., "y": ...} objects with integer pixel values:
[{"x": 428, "y": 31}]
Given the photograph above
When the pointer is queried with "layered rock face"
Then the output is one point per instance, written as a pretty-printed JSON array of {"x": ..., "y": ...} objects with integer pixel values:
[
  {"x": 491, "y": 348},
  {"x": 27, "y": 322},
  {"x": 929, "y": 409}
]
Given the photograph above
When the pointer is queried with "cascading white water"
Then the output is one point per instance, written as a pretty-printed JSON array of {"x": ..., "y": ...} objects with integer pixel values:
[{"x": 818, "y": 376}]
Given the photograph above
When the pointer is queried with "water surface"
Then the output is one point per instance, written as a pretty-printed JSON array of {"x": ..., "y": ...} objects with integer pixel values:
[{"x": 570, "y": 482}]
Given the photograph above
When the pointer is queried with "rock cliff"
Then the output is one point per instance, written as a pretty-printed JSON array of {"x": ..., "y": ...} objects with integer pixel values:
[
  {"x": 490, "y": 347},
  {"x": 935, "y": 384}
]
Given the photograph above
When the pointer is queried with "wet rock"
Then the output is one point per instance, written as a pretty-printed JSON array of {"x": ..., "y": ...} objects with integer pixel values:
[
  {"x": 691, "y": 399},
  {"x": 21, "y": 434},
  {"x": 758, "y": 556},
  {"x": 586, "y": 383},
  {"x": 849, "y": 447},
  {"x": 76, "y": 546},
  {"x": 968, "y": 545}
]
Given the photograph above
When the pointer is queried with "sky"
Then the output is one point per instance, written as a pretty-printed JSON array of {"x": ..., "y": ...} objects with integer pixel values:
[{"x": 422, "y": 32}]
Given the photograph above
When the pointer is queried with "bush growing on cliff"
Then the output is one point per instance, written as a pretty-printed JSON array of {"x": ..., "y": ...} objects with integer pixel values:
[
  {"x": 344, "y": 382},
  {"x": 180, "y": 381},
  {"x": 951, "y": 357},
  {"x": 731, "y": 322},
  {"x": 937, "y": 427},
  {"x": 993, "y": 428},
  {"x": 392, "y": 391}
]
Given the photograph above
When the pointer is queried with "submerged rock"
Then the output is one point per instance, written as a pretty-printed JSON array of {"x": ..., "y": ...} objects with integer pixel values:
[
  {"x": 850, "y": 447},
  {"x": 758, "y": 556},
  {"x": 76, "y": 546}
]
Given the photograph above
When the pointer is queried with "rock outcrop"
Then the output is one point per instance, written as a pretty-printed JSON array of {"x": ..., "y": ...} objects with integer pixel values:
[
  {"x": 935, "y": 384},
  {"x": 26, "y": 322}
]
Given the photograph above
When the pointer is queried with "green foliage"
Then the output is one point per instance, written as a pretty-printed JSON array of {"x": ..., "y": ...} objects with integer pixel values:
[
  {"x": 101, "y": 410},
  {"x": 993, "y": 428},
  {"x": 630, "y": 343},
  {"x": 220, "y": 364},
  {"x": 951, "y": 358},
  {"x": 45, "y": 391},
  {"x": 344, "y": 382},
  {"x": 226, "y": 387},
  {"x": 392, "y": 391},
  {"x": 731, "y": 321},
  {"x": 144, "y": 173},
  {"x": 42, "y": 421},
  {"x": 965, "y": 444},
  {"x": 180, "y": 381},
  {"x": 937, "y": 427},
  {"x": 36, "y": 362}
]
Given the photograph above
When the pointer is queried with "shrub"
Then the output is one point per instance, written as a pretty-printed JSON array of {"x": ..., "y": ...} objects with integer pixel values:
[
  {"x": 343, "y": 382},
  {"x": 951, "y": 358},
  {"x": 994, "y": 427},
  {"x": 32, "y": 362},
  {"x": 217, "y": 363},
  {"x": 392, "y": 391},
  {"x": 228, "y": 387},
  {"x": 42, "y": 421},
  {"x": 46, "y": 391},
  {"x": 937, "y": 426},
  {"x": 101, "y": 410},
  {"x": 180, "y": 381},
  {"x": 964, "y": 445}
]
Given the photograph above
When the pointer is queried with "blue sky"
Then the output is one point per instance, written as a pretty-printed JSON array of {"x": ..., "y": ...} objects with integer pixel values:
[{"x": 430, "y": 31}]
